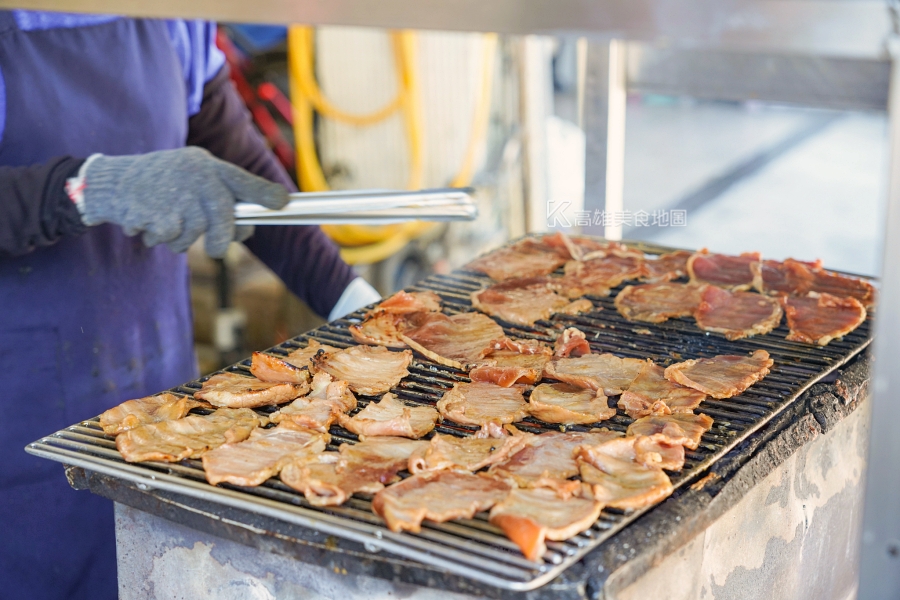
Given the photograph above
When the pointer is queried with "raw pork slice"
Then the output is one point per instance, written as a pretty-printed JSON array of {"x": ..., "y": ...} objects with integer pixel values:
[
  {"x": 370, "y": 370},
  {"x": 508, "y": 367},
  {"x": 262, "y": 455},
  {"x": 480, "y": 403},
  {"x": 820, "y": 318},
  {"x": 737, "y": 314},
  {"x": 618, "y": 478},
  {"x": 230, "y": 390},
  {"x": 391, "y": 417},
  {"x": 458, "y": 340},
  {"x": 605, "y": 372},
  {"x": 735, "y": 273},
  {"x": 572, "y": 343},
  {"x": 596, "y": 277},
  {"x": 525, "y": 300},
  {"x": 189, "y": 437},
  {"x": 381, "y": 329},
  {"x": 439, "y": 496},
  {"x": 722, "y": 376},
  {"x": 843, "y": 286},
  {"x": 666, "y": 267},
  {"x": 548, "y": 460},
  {"x": 528, "y": 517},
  {"x": 792, "y": 277},
  {"x": 652, "y": 393},
  {"x": 330, "y": 478},
  {"x": 564, "y": 403},
  {"x": 320, "y": 408},
  {"x": 527, "y": 258},
  {"x": 152, "y": 409},
  {"x": 464, "y": 454},
  {"x": 658, "y": 302},
  {"x": 404, "y": 303},
  {"x": 685, "y": 428}
]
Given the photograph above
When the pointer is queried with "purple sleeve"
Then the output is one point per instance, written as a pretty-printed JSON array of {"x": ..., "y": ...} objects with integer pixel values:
[
  {"x": 307, "y": 261},
  {"x": 194, "y": 43}
]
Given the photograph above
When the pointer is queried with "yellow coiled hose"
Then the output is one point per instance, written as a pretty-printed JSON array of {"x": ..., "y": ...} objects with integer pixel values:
[{"x": 363, "y": 244}]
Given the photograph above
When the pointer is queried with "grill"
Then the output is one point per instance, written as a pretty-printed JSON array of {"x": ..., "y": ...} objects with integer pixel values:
[{"x": 473, "y": 548}]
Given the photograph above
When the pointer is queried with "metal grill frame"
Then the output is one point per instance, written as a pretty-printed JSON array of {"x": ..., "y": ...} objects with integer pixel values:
[{"x": 473, "y": 548}]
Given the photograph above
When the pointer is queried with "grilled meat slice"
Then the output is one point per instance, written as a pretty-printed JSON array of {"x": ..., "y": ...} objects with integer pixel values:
[
  {"x": 596, "y": 277},
  {"x": 391, "y": 417},
  {"x": 843, "y": 286},
  {"x": 437, "y": 496},
  {"x": 521, "y": 301},
  {"x": 527, "y": 258},
  {"x": 548, "y": 460},
  {"x": 461, "y": 339},
  {"x": 658, "y": 450},
  {"x": 683, "y": 428},
  {"x": 230, "y": 390},
  {"x": 735, "y": 273},
  {"x": 152, "y": 409},
  {"x": 605, "y": 372},
  {"x": 522, "y": 346},
  {"x": 564, "y": 403},
  {"x": 296, "y": 367},
  {"x": 188, "y": 437},
  {"x": 320, "y": 408},
  {"x": 618, "y": 478},
  {"x": 791, "y": 277},
  {"x": 736, "y": 314},
  {"x": 480, "y": 403},
  {"x": 722, "y": 376},
  {"x": 572, "y": 343},
  {"x": 330, "y": 478},
  {"x": 666, "y": 267},
  {"x": 262, "y": 455},
  {"x": 464, "y": 454},
  {"x": 529, "y": 517},
  {"x": 820, "y": 318},
  {"x": 652, "y": 393},
  {"x": 658, "y": 302},
  {"x": 508, "y": 367},
  {"x": 404, "y": 303},
  {"x": 370, "y": 370},
  {"x": 381, "y": 329}
]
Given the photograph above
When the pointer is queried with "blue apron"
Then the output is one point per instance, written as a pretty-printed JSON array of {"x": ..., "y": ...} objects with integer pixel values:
[{"x": 94, "y": 319}]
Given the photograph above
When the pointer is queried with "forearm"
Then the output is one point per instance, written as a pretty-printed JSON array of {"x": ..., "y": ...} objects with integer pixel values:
[
  {"x": 35, "y": 210},
  {"x": 305, "y": 258}
]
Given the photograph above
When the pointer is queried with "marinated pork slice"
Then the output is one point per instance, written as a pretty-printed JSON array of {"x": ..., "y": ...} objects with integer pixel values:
[
  {"x": 736, "y": 314},
  {"x": 391, "y": 417},
  {"x": 438, "y": 496},
  {"x": 567, "y": 404},
  {"x": 525, "y": 301},
  {"x": 479, "y": 403},
  {"x": 618, "y": 478},
  {"x": 370, "y": 370},
  {"x": 464, "y": 454},
  {"x": 820, "y": 318},
  {"x": 508, "y": 367},
  {"x": 262, "y": 455},
  {"x": 522, "y": 346},
  {"x": 321, "y": 407},
  {"x": 330, "y": 478},
  {"x": 597, "y": 276},
  {"x": 791, "y": 277},
  {"x": 666, "y": 267},
  {"x": 722, "y": 376},
  {"x": 572, "y": 343},
  {"x": 605, "y": 372},
  {"x": 651, "y": 389},
  {"x": 296, "y": 367},
  {"x": 404, "y": 303},
  {"x": 548, "y": 460},
  {"x": 152, "y": 409},
  {"x": 659, "y": 451},
  {"x": 658, "y": 302},
  {"x": 683, "y": 428},
  {"x": 230, "y": 390},
  {"x": 529, "y": 517},
  {"x": 381, "y": 329},
  {"x": 586, "y": 248},
  {"x": 527, "y": 258},
  {"x": 843, "y": 286},
  {"x": 736, "y": 273},
  {"x": 189, "y": 437},
  {"x": 454, "y": 341}
]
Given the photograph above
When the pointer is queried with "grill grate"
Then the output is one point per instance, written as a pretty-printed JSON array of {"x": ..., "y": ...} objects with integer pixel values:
[{"x": 473, "y": 547}]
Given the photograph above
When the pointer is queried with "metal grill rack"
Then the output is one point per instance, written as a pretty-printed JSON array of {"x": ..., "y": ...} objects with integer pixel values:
[{"x": 473, "y": 547}]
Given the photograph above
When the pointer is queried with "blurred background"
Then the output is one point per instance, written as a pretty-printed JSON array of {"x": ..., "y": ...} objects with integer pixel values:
[{"x": 516, "y": 118}]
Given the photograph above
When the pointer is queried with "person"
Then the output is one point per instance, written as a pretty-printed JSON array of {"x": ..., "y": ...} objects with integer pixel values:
[{"x": 122, "y": 141}]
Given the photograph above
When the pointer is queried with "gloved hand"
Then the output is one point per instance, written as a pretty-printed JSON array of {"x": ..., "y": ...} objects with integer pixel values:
[
  {"x": 174, "y": 196},
  {"x": 358, "y": 294}
]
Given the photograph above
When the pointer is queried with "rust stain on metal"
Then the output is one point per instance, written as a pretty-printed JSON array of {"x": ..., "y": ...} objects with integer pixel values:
[{"x": 699, "y": 484}]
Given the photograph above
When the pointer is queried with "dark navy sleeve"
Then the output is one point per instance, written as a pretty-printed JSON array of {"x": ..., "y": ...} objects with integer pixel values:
[
  {"x": 35, "y": 210},
  {"x": 305, "y": 258}
]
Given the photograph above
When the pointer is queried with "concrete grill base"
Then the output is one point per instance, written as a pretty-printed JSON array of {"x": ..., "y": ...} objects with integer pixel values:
[{"x": 781, "y": 521}]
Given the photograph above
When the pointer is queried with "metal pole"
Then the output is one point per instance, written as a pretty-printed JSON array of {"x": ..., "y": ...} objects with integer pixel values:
[
  {"x": 536, "y": 105},
  {"x": 604, "y": 128},
  {"x": 880, "y": 552}
]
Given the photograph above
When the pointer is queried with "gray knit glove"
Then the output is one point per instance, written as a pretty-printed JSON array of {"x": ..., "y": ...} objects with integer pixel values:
[{"x": 174, "y": 196}]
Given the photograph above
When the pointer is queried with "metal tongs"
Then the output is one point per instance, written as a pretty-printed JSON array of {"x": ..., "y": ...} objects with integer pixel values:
[{"x": 363, "y": 207}]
